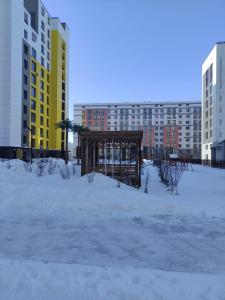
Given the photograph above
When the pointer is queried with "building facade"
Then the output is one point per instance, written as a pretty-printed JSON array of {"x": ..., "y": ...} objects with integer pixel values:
[
  {"x": 213, "y": 104},
  {"x": 168, "y": 127},
  {"x": 33, "y": 78}
]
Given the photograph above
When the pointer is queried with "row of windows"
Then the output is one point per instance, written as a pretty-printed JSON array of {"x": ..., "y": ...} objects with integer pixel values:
[
  {"x": 33, "y": 93},
  {"x": 33, "y": 119},
  {"x": 34, "y": 68},
  {"x": 33, "y": 80},
  {"x": 208, "y": 134},
  {"x": 126, "y": 117},
  {"x": 34, "y": 55},
  {"x": 33, "y": 107},
  {"x": 33, "y": 142},
  {"x": 42, "y": 133},
  {"x": 145, "y": 111},
  {"x": 156, "y": 105}
]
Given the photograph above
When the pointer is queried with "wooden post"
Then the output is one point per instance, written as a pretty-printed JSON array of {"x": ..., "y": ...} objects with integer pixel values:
[{"x": 86, "y": 156}]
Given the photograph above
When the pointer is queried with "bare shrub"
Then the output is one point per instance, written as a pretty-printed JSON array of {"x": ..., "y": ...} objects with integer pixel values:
[
  {"x": 74, "y": 168},
  {"x": 64, "y": 172},
  {"x": 8, "y": 165},
  {"x": 91, "y": 177},
  {"x": 41, "y": 166},
  {"x": 170, "y": 174},
  {"x": 27, "y": 167},
  {"x": 51, "y": 166}
]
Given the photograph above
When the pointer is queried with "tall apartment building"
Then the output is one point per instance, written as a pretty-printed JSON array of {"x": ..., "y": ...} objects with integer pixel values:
[
  {"x": 213, "y": 104},
  {"x": 168, "y": 127},
  {"x": 33, "y": 78}
]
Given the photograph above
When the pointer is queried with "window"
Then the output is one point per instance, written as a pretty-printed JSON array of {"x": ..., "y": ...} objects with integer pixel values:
[
  {"x": 42, "y": 11},
  {"x": 42, "y": 84},
  {"x": 25, "y": 95},
  {"x": 48, "y": 44},
  {"x": 42, "y": 61},
  {"x": 41, "y": 96},
  {"x": 42, "y": 120},
  {"x": 33, "y": 130},
  {"x": 42, "y": 73},
  {"x": 33, "y": 66},
  {"x": 34, "y": 53},
  {"x": 25, "y": 64},
  {"x": 33, "y": 117},
  {"x": 41, "y": 132},
  {"x": 42, "y": 49},
  {"x": 42, "y": 25},
  {"x": 211, "y": 73},
  {"x": 48, "y": 34},
  {"x": 33, "y": 79},
  {"x": 34, "y": 37},
  {"x": 42, "y": 38},
  {"x": 25, "y": 109},
  {"x": 48, "y": 66},
  {"x": 48, "y": 55},
  {"x": 25, "y": 49},
  {"x": 33, "y": 105},
  {"x": 24, "y": 124},
  {"x": 26, "y": 18},
  {"x": 25, "y": 35},
  {"x": 33, "y": 92},
  {"x": 25, "y": 79},
  {"x": 42, "y": 109}
]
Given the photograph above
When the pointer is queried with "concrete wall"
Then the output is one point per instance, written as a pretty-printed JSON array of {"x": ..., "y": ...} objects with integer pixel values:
[{"x": 11, "y": 34}]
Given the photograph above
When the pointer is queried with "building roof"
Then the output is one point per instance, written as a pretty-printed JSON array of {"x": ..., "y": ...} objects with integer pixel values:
[{"x": 137, "y": 103}]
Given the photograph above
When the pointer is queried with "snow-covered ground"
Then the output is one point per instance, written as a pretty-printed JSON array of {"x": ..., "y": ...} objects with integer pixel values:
[{"x": 70, "y": 239}]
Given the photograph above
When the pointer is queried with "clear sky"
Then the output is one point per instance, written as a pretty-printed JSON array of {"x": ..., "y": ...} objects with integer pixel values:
[{"x": 138, "y": 50}]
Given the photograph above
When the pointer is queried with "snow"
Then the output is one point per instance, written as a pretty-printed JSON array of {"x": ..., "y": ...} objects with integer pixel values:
[{"x": 70, "y": 239}]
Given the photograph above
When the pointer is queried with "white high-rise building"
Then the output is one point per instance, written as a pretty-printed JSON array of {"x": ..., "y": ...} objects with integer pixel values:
[
  {"x": 213, "y": 104},
  {"x": 168, "y": 127},
  {"x": 33, "y": 79}
]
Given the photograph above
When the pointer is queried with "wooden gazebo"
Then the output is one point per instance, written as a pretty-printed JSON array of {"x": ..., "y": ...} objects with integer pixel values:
[{"x": 113, "y": 153}]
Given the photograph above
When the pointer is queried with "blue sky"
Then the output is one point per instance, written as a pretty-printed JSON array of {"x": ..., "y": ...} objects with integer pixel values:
[{"x": 138, "y": 50}]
